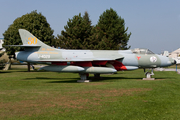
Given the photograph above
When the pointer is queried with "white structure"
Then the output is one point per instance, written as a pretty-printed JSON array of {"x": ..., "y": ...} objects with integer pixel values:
[
  {"x": 1, "y": 42},
  {"x": 175, "y": 55},
  {"x": 165, "y": 53}
]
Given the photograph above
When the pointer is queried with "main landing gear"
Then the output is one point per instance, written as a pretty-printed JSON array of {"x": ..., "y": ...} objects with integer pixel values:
[
  {"x": 148, "y": 75},
  {"x": 85, "y": 76}
]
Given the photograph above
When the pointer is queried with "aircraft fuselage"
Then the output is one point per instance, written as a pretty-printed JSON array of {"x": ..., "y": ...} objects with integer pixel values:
[{"x": 125, "y": 59}]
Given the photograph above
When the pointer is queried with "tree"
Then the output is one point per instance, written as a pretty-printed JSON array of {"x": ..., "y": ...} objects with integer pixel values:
[
  {"x": 76, "y": 32},
  {"x": 110, "y": 32},
  {"x": 35, "y": 23}
]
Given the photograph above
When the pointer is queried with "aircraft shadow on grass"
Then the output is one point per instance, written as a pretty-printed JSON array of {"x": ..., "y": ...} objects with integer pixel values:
[
  {"x": 74, "y": 80},
  {"x": 2, "y": 72}
]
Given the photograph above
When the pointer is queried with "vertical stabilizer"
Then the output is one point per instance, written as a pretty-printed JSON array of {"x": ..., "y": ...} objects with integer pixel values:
[{"x": 29, "y": 39}]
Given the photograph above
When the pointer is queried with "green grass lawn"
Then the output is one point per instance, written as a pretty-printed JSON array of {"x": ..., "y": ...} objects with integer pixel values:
[
  {"x": 174, "y": 66},
  {"x": 123, "y": 96}
]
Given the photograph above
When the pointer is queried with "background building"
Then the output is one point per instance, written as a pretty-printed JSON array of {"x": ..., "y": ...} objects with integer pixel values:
[
  {"x": 175, "y": 55},
  {"x": 1, "y": 42}
]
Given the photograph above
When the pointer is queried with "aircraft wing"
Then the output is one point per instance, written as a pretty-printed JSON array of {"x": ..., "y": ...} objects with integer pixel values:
[
  {"x": 81, "y": 60},
  {"x": 107, "y": 58}
]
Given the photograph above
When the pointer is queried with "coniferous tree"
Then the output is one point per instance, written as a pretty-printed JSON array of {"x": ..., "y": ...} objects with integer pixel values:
[
  {"x": 88, "y": 27},
  {"x": 110, "y": 32},
  {"x": 76, "y": 32}
]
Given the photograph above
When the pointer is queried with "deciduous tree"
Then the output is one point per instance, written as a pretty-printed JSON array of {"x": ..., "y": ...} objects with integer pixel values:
[{"x": 35, "y": 23}]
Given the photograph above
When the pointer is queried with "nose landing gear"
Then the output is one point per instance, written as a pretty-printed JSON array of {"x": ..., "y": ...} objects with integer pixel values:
[{"x": 149, "y": 75}]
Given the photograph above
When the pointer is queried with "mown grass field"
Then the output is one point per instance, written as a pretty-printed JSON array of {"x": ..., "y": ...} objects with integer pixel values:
[{"x": 123, "y": 96}]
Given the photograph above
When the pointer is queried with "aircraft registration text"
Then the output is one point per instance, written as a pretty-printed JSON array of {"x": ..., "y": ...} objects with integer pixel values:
[{"x": 44, "y": 56}]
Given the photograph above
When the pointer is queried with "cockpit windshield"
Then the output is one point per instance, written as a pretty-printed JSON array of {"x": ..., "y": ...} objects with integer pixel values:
[{"x": 142, "y": 51}]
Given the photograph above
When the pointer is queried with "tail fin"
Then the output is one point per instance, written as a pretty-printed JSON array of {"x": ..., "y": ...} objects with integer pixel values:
[{"x": 29, "y": 40}]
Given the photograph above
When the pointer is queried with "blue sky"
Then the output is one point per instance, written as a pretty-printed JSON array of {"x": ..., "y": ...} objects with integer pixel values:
[{"x": 154, "y": 24}]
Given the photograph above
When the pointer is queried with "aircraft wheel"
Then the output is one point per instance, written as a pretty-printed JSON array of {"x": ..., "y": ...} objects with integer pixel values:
[{"x": 148, "y": 74}]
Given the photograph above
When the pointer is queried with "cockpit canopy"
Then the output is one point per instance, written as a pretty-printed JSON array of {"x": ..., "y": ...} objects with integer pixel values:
[{"x": 141, "y": 51}]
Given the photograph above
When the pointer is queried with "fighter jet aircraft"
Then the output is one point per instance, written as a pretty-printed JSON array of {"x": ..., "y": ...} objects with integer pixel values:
[{"x": 87, "y": 61}]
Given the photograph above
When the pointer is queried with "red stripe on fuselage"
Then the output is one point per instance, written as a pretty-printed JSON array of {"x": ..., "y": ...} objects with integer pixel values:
[
  {"x": 82, "y": 64},
  {"x": 99, "y": 62},
  {"x": 59, "y": 63}
]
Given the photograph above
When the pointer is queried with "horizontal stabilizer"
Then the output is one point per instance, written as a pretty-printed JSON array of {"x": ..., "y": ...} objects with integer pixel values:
[{"x": 23, "y": 46}]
